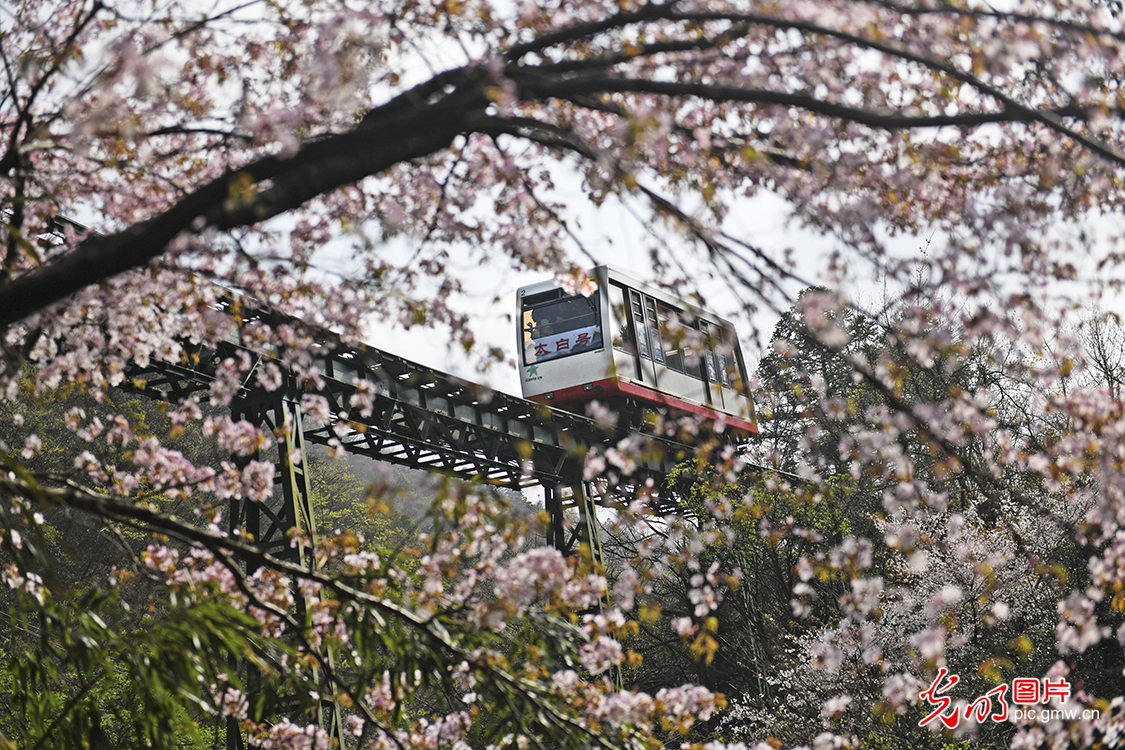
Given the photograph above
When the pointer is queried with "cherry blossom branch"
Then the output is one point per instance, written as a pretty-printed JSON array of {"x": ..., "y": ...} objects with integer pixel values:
[
  {"x": 948, "y": 9},
  {"x": 548, "y": 210},
  {"x": 569, "y": 87},
  {"x": 1011, "y": 107},
  {"x": 13, "y": 157},
  {"x": 394, "y": 133},
  {"x": 1045, "y": 116},
  {"x": 987, "y": 484},
  {"x": 427, "y": 119},
  {"x": 561, "y": 138},
  {"x": 651, "y": 11},
  {"x": 338, "y": 684},
  {"x": 143, "y": 518},
  {"x": 12, "y": 154}
]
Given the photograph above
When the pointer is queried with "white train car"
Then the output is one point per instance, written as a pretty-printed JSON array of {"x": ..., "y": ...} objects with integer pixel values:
[{"x": 630, "y": 344}]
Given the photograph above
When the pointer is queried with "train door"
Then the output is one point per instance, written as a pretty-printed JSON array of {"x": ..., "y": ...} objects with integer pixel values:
[
  {"x": 626, "y": 357},
  {"x": 655, "y": 347},
  {"x": 633, "y": 336},
  {"x": 643, "y": 313}
]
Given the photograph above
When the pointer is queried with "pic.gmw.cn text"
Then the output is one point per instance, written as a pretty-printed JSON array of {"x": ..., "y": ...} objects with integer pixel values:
[{"x": 1030, "y": 696}]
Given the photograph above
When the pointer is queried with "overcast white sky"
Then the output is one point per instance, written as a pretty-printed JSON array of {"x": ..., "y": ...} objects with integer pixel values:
[{"x": 762, "y": 221}]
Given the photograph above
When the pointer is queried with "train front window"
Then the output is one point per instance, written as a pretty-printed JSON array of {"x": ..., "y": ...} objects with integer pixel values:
[{"x": 555, "y": 325}]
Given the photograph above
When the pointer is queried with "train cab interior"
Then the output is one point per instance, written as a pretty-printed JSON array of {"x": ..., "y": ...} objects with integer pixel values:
[{"x": 556, "y": 324}]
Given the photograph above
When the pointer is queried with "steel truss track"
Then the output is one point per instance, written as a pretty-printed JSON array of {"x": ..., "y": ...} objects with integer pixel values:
[
  {"x": 414, "y": 416},
  {"x": 419, "y": 417}
]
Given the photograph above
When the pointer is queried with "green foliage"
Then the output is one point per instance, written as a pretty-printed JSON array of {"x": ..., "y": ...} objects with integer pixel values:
[
  {"x": 342, "y": 502},
  {"x": 102, "y": 658},
  {"x": 87, "y": 669}
]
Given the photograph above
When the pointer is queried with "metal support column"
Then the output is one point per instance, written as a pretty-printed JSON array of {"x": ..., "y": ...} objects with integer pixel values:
[
  {"x": 556, "y": 529},
  {"x": 561, "y": 498},
  {"x": 586, "y": 539},
  {"x": 272, "y": 524},
  {"x": 589, "y": 530}
]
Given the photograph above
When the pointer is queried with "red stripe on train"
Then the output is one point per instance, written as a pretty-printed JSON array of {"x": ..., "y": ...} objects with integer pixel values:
[{"x": 613, "y": 387}]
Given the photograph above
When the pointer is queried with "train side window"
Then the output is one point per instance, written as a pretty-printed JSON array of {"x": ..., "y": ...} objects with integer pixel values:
[
  {"x": 723, "y": 367},
  {"x": 717, "y": 356},
  {"x": 673, "y": 335},
  {"x": 727, "y": 363},
  {"x": 693, "y": 347},
  {"x": 709, "y": 365}
]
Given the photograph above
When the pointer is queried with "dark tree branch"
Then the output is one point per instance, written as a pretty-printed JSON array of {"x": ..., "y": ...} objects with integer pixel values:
[
  {"x": 1017, "y": 111},
  {"x": 428, "y": 118},
  {"x": 12, "y": 157},
  {"x": 570, "y": 88},
  {"x": 397, "y": 132},
  {"x": 948, "y": 9}
]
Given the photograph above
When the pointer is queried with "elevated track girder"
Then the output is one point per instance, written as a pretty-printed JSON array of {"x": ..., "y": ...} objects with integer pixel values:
[{"x": 391, "y": 409}]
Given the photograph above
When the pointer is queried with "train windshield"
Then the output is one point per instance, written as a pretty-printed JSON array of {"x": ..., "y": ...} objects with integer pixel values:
[{"x": 555, "y": 325}]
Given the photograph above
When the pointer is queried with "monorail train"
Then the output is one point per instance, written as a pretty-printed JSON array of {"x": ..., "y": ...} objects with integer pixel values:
[{"x": 628, "y": 343}]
